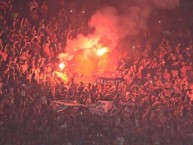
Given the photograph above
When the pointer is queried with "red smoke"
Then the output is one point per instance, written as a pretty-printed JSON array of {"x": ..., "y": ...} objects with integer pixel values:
[{"x": 97, "y": 53}]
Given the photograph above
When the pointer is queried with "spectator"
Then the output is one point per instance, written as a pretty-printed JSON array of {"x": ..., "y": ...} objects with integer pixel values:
[
  {"x": 152, "y": 106},
  {"x": 44, "y": 10}
]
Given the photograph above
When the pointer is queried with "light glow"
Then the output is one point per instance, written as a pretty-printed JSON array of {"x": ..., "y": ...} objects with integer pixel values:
[
  {"x": 61, "y": 66},
  {"x": 102, "y": 51}
]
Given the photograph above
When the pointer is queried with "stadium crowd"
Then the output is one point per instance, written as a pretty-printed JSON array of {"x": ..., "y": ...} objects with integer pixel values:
[{"x": 154, "y": 105}]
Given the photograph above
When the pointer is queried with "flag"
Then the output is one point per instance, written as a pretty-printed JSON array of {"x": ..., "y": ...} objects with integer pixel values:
[
  {"x": 24, "y": 67},
  {"x": 47, "y": 50},
  {"x": 4, "y": 55},
  {"x": 62, "y": 105}
]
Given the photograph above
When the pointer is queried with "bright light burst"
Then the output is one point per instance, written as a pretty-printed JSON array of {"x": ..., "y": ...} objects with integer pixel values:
[
  {"x": 61, "y": 66},
  {"x": 102, "y": 51}
]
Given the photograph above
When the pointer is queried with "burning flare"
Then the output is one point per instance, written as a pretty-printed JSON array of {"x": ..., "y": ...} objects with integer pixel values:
[
  {"x": 63, "y": 76},
  {"x": 102, "y": 51}
]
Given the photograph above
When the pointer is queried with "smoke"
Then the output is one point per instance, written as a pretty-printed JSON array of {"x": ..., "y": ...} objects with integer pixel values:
[
  {"x": 128, "y": 19},
  {"x": 166, "y": 4},
  {"x": 111, "y": 24}
]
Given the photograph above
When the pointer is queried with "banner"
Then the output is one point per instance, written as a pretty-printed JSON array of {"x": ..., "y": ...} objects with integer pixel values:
[{"x": 102, "y": 107}]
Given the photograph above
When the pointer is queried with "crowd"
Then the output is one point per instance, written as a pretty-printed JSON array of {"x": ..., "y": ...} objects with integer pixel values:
[{"x": 154, "y": 103}]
